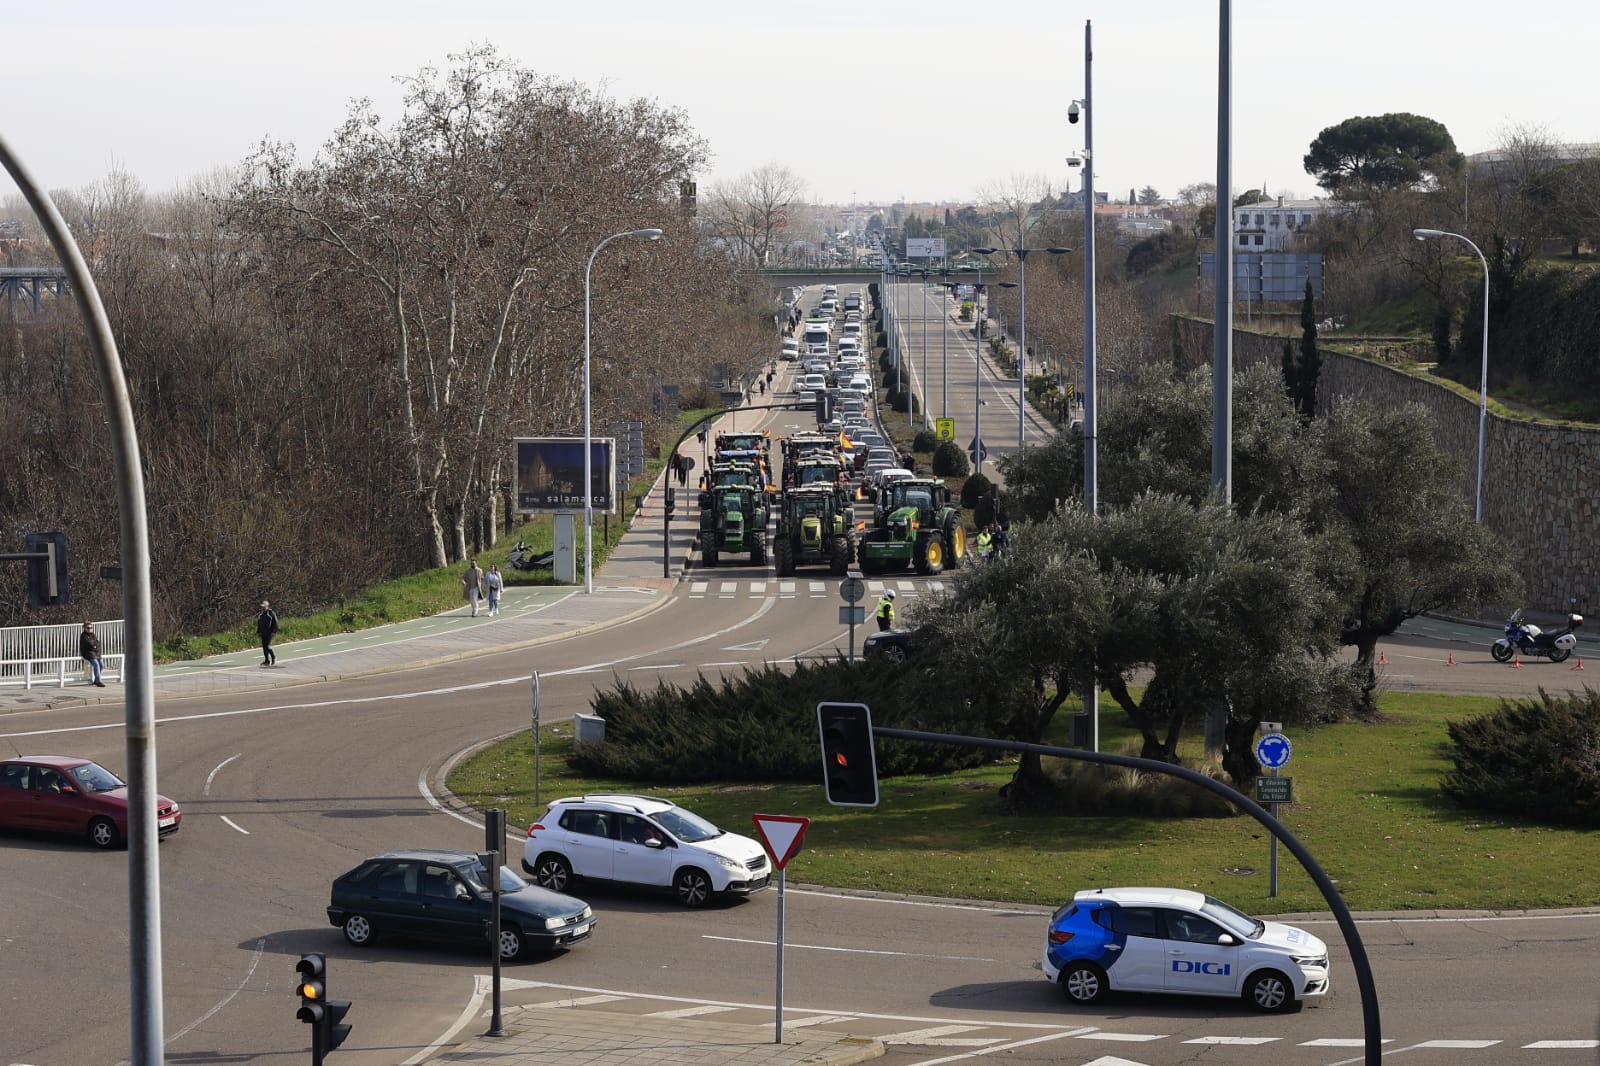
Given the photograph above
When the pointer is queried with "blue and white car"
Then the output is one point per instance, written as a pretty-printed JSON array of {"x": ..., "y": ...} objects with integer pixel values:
[{"x": 1174, "y": 940}]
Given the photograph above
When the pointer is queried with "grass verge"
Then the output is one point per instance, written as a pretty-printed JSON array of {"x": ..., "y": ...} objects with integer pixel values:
[{"x": 1367, "y": 806}]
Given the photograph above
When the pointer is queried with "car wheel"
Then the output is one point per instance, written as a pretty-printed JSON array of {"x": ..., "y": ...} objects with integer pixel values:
[
  {"x": 692, "y": 887},
  {"x": 103, "y": 834},
  {"x": 553, "y": 872},
  {"x": 512, "y": 945},
  {"x": 1083, "y": 983},
  {"x": 893, "y": 653},
  {"x": 359, "y": 931},
  {"x": 1269, "y": 991}
]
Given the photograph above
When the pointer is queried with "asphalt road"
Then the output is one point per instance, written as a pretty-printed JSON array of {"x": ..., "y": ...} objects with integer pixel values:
[{"x": 285, "y": 789}]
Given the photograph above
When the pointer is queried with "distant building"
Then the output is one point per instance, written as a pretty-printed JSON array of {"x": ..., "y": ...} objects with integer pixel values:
[{"x": 1276, "y": 226}]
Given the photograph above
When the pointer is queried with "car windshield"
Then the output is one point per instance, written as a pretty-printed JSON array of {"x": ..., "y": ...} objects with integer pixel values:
[
  {"x": 689, "y": 828},
  {"x": 92, "y": 777},
  {"x": 509, "y": 880},
  {"x": 1231, "y": 919}
]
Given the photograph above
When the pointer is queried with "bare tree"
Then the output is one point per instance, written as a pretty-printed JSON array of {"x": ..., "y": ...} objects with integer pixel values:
[
  {"x": 1015, "y": 207},
  {"x": 752, "y": 214}
]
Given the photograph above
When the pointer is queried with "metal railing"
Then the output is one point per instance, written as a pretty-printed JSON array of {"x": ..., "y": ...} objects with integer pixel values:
[{"x": 42, "y": 656}]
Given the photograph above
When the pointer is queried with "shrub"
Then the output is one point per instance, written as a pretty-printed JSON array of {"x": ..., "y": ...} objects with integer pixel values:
[
  {"x": 925, "y": 441},
  {"x": 1081, "y": 788},
  {"x": 1539, "y": 758},
  {"x": 762, "y": 725},
  {"x": 950, "y": 461},
  {"x": 975, "y": 488}
]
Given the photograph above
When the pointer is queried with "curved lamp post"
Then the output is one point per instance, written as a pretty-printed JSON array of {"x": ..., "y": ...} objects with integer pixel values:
[
  {"x": 588, "y": 429},
  {"x": 1022, "y": 327},
  {"x": 1483, "y": 372}
]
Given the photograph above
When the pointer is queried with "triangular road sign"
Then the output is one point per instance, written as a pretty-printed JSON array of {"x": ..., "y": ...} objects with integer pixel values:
[{"x": 782, "y": 834}]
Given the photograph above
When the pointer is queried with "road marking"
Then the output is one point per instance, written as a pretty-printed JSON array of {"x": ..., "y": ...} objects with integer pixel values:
[
  {"x": 1126, "y": 1038},
  {"x": 698, "y": 588},
  {"x": 214, "y": 770},
  {"x": 930, "y": 1035},
  {"x": 690, "y": 1012},
  {"x": 235, "y": 825},
  {"x": 705, "y": 665},
  {"x": 758, "y": 588},
  {"x": 754, "y": 645},
  {"x": 1463, "y": 1045},
  {"x": 818, "y": 588},
  {"x": 728, "y": 588},
  {"x": 1016, "y": 1044},
  {"x": 1330, "y": 1041},
  {"x": 818, "y": 1019},
  {"x": 786, "y": 588},
  {"x": 1242, "y": 1041},
  {"x": 660, "y": 666},
  {"x": 577, "y": 1001},
  {"x": 255, "y": 960},
  {"x": 790, "y": 945},
  {"x": 1565, "y": 1045}
]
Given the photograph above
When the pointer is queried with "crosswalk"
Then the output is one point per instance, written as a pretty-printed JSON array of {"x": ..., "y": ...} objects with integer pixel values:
[{"x": 785, "y": 589}]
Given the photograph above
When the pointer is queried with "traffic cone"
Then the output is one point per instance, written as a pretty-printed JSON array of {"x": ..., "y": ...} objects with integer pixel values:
[
  {"x": 1383, "y": 660},
  {"x": 1452, "y": 660},
  {"x": 1580, "y": 663},
  {"x": 1516, "y": 663}
]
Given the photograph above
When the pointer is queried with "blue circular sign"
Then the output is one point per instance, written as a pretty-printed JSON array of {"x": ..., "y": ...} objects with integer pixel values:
[{"x": 1273, "y": 751}]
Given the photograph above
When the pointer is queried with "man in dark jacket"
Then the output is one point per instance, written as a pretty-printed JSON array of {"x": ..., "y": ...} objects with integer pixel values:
[
  {"x": 266, "y": 629},
  {"x": 89, "y": 650}
]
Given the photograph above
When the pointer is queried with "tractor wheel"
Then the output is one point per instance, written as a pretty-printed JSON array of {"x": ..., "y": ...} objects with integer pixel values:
[
  {"x": 708, "y": 548},
  {"x": 928, "y": 556},
  {"x": 758, "y": 549},
  {"x": 785, "y": 553},
  {"x": 840, "y": 561},
  {"x": 955, "y": 540}
]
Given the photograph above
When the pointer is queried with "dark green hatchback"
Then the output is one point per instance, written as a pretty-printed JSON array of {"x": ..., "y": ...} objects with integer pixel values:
[{"x": 443, "y": 895}]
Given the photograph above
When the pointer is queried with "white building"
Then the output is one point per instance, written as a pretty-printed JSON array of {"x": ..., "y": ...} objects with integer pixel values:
[{"x": 1275, "y": 226}]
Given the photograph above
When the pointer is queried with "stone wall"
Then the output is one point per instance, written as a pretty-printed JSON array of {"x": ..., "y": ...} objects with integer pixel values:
[{"x": 1541, "y": 485}]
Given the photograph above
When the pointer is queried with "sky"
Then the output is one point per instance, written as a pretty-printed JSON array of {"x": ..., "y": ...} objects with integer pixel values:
[{"x": 881, "y": 102}]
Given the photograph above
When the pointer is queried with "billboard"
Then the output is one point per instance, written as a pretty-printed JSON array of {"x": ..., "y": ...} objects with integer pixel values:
[
  {"x": 924, "y": 247},
  {"x": 550, "y": 474}
]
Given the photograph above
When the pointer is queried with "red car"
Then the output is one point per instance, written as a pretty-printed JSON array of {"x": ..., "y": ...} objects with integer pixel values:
[{"x": 66, "y": 794}]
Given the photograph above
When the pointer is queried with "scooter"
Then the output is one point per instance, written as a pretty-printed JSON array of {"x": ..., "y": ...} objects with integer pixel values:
[{"x": 1525, "y": 638}]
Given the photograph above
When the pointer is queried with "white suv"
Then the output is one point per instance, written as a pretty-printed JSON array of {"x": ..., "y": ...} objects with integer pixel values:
[{"x": 641, "y": 840}]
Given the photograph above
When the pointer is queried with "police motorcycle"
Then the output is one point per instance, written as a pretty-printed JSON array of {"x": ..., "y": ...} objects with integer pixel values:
[
  {"x": 523, "y": 558},
  {"x": 1525, "y": 638}
]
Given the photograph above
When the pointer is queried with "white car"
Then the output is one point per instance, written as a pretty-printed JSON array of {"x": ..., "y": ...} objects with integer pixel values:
[
  {"x": 1175, "y": 940},
  {"x": 641, "y": 840}
]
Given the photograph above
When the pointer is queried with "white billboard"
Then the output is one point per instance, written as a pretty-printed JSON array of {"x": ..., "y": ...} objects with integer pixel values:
[{"x": 924, "y": 247}]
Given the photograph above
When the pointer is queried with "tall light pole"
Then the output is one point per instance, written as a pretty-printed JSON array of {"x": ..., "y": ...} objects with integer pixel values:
[
  {"x": 588, "y": 427},
  {"x": 1022, "y": 328},
  {"x": 1483, "y": 371},
  {"x": 1090, "y": 400},
  {"x": 924, "y": 348},
  {"x": 944, "y": 346},
  {"x": 977, "y": 385}
]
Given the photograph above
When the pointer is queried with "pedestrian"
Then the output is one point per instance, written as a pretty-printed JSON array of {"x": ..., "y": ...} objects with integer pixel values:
[
  {"x": 985, "y": 541},
  {"x": 266, "y": 629},
  {"x": 494, "y": 583},
  {"x": 89, "y": 649},
  {"x": 472, "y": 585},
  {"x": 886, "y": 611},
  {"x": 1001, "y": 539},
  {"x": 763, "y": 386}
]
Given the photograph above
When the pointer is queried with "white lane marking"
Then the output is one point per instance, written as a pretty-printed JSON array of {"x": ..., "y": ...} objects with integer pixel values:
[
  {"x": 578, "y": 1001},
  {"x": 728, "y": 588},
  {"x": 689, "y": 1012},
  {"x": 212, "y": 775},
  {"x": 1333, "y": 1041},
  {"x": 1563, "y": 1045},
  {"x": 255, "y": 959},
  {"x": 707, "y": 665},
  {"x": 752, "y": 645},
  {"x": 337, "y": 643},
  {"x": 786, "y": 588},
  {"x": 816, "y": 1019},
  {"x": 1007, "y": 1047},
  {"x": 1126, "y": 1038},
  {"x": 926, "y": 1036},
  {"x": 1242, "y": 1041},
  {"x": 791, "y": 946},
  {"x": 1463, "y": 1045},
  {"x": 758, "y": 588},
  {"x": 480, "y": 988},
  {"x": 235, "y": 825},
  {"x": 697, "y": 588},
  {"x": 662, "y": 666}
]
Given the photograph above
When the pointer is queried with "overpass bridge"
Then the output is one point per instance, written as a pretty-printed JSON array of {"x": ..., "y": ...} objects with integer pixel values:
[
  {"x": 27, "y": 287},
  {"x": 782, "y": 276}
]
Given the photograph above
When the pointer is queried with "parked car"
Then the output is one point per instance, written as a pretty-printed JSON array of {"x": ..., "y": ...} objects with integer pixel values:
[
  {"x": 1175, "y": 940},
  {"x": 894, "y": 645},
  {"x": 68, "y": 794},
  {"x": 445, "y": 895},
  {"x": 641, "y": 840}
]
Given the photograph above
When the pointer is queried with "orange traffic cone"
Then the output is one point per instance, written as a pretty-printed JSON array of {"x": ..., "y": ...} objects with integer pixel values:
[
  {"x": 1516, "y": 663},
  {"x": 1580, "y": 663},
  {"x": 1383, "y": 660},
  {"x": 1452, "y": 660}
]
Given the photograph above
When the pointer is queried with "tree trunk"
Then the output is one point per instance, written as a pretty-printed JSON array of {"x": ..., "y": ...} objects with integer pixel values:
[{"x": 1238, "y": 755}]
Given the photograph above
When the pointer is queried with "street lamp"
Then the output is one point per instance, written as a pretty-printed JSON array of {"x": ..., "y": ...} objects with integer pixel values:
[
  {"x": 588, "y": 428},
  {"x": 1483, "y": 372},
  {"x": 924, "y": 272},
  {"x": 1022, "y": 327}
]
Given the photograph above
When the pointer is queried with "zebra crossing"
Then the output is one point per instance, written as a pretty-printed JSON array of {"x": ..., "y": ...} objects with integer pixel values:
[{"x": 803, "y": 588}]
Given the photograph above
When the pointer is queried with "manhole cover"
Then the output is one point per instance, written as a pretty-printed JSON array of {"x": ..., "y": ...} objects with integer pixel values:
[{"x": 1239, "y": 871}]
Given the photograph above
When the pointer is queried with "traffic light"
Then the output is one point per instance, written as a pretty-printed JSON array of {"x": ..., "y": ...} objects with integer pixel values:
[
  {"x": 324, "y": 1015},
  {"x": 849, "y": 763},
  {"x": 47, "y": 576}
]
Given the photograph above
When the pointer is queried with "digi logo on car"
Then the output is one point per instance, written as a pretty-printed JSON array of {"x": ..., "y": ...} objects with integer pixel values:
[{"x": 1213, "y": 969}]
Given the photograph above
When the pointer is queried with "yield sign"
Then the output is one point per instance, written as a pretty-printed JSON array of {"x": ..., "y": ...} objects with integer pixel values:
[{"x": 782, "y": 835}]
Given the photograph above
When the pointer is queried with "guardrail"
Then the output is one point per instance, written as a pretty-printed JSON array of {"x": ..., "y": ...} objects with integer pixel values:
[{"x": 43, "y": 656}]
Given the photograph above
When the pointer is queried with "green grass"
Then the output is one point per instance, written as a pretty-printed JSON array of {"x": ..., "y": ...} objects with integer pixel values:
[
  {"x": 412, "y": 596},
  {"x": 1367, "y": 806}
]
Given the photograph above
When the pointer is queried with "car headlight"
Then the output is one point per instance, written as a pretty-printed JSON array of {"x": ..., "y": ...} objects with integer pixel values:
[
  {"x": 731, "y": 864},
  {"x": 1317, "y": 961},
  {"x": 553, "y": 924}
]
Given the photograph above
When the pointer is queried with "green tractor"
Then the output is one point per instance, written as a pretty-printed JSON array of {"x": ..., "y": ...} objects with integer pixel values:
[
  {"x": 814, "y": 529},
  {"x": 734, "y": 519},
  {"x": 916, "y": 524}
]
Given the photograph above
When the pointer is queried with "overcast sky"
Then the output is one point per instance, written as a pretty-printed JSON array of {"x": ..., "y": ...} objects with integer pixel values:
[{"x": 866, "y": 102}]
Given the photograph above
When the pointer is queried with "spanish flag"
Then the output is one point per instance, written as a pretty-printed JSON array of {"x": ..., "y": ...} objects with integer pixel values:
[{"x": 844, "y": 441}]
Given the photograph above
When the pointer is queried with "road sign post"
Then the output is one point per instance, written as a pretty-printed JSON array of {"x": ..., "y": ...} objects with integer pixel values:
[
  {"x": 782, "y": 835},
  {"x": 851, "y": 589},
  {"x": 536, "y": 738},
  {"x": 945, "y": 428},
  {"x": 1272, "y": 752}
]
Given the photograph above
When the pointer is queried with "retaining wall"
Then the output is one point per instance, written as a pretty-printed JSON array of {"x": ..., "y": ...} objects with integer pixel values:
[{"x": 1541, "y": 482}]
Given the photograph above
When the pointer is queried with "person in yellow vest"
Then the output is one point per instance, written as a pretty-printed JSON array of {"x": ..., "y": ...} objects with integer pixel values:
[
  {"x": 886, "y": 612},
  {"x": 985, "y": 540}
]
